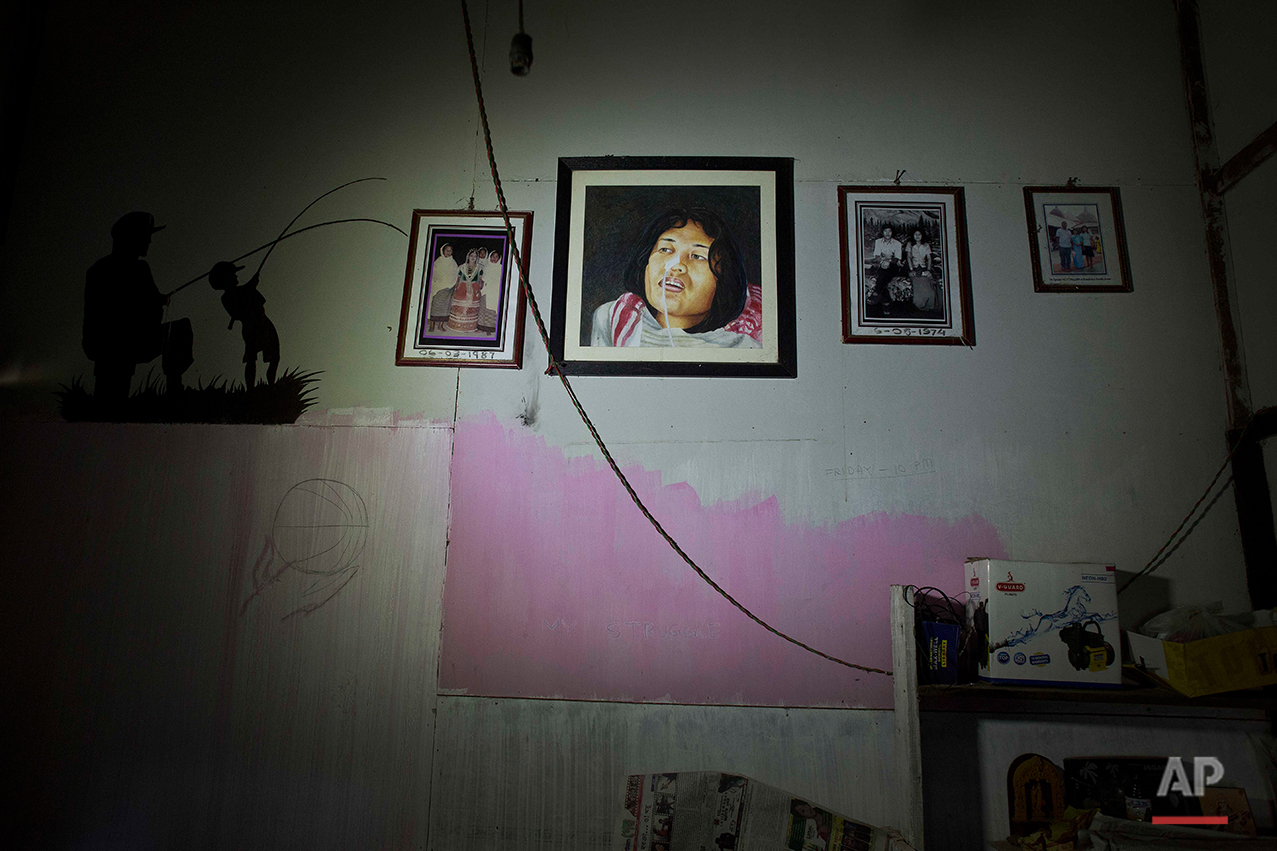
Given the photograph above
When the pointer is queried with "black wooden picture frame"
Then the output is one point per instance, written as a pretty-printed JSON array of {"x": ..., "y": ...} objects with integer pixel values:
[{"x": 632, "y": 297}]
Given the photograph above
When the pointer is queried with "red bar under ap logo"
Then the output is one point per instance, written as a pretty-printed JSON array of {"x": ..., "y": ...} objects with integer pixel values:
[{"x": 1207, "y": 770}]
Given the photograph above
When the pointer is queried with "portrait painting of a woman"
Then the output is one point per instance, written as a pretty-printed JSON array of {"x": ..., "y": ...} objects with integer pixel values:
[
  {"x": 674, "y": 266},
  {"x": 685, "y": 285}
]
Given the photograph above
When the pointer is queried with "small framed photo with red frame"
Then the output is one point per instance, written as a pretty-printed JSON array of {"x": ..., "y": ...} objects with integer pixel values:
[
  {"x": 1077, "y": 239},
  {"x": 463, "y": 303}
]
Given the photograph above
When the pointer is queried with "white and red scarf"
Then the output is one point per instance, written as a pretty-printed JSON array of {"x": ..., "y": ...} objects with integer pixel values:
[{"x": 627, "y": 313}]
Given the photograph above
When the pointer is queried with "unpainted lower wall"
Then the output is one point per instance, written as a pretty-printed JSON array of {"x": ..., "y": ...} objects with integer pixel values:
[{"x": 175, "y": 687}]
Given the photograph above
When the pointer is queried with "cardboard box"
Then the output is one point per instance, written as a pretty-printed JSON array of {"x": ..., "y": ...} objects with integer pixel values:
[
  {"x": 1041, "y": 623},
  {"x": 1238, "y": 660}
]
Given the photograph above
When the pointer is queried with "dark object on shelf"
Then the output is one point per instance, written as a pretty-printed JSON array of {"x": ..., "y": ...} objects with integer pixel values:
[
  {"x": 1035, "y": 793},
  {"x": 942, "y": 638},
  {"x": 1123, "y": 787},
  {"x": 940, "y": 649},
  {"x": 980, "y": 622},
  {"x": 1088, "y": 651}
]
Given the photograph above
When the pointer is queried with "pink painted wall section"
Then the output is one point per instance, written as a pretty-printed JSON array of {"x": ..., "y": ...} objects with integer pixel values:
[{"x": 558, "y": 587}]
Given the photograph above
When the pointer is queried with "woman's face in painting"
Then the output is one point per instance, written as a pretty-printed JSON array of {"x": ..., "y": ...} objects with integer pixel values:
[
  {"x": 447, "y": 251},
  {"x": 472, "y": 257},
  {"x": 679, "y": 283}
]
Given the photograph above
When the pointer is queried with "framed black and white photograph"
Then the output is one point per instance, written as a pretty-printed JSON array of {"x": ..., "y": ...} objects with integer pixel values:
[
  {"x": 463, "y": 304},
  {"x": 1077, "y": 239},
  {"x": 905, "y": 276},
  {"x": 675, "y": 266}
]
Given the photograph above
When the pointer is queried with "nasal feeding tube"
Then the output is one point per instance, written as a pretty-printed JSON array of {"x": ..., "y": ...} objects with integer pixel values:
[{"x": 665, "y": 305}]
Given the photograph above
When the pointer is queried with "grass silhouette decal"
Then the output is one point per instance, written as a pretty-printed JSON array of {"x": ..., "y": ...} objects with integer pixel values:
[{"x": 219, "y": 401}]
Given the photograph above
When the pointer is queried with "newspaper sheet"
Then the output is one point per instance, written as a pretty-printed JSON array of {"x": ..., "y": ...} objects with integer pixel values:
[{"x": 711, "y": 811}]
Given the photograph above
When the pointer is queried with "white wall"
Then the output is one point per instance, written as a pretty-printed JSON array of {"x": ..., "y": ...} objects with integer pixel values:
[
  {"x": 1082, "y": 427},
  {"x": 164, "y": 692}
]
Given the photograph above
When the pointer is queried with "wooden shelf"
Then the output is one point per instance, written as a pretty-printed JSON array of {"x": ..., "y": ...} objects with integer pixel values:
[{"x": 1131, "y": 699}]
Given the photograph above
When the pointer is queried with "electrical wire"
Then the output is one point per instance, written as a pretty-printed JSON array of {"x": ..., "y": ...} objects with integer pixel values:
[
  {"x": 576, "y": 403},
  {"x": 948, "y": 610},
  {"x": 1153, "y": 563},
  {"x": 950, "y": 607}
]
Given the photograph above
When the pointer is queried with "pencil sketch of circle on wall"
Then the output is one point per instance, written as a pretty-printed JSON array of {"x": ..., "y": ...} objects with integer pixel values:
[
  {"x": 319, "y": 532},
  {"x": 321, "y": 527}
]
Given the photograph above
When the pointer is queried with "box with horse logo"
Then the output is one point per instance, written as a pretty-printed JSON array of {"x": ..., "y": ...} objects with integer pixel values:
[{"x": 1045, "y": 624}]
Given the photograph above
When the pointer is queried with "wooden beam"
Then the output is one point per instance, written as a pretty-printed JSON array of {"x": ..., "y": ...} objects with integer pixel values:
[
  {"x": 1264, "y": 425},
  {"x": 1250, "y": 483},
  {"x": 1253, "y": 494},
  {"x": 908, "y": 739},
  {"x": 1237, "y": 388},
  {"x": 1246, "y": 160}
]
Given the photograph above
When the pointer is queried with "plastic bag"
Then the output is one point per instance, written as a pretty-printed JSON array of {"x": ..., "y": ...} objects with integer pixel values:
[{"x": 1192, "y": 623}]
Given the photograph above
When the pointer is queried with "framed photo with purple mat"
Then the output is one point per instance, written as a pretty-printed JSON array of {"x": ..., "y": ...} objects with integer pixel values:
[
  {"x": 463, "y": 304},
  {"x": 1077, "y": 240}
]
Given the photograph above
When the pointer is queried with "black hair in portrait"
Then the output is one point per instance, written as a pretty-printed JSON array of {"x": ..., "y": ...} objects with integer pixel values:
[{"x": 622, "y": 224}]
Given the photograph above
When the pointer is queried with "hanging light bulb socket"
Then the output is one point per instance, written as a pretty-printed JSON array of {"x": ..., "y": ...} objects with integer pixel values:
[
  {"x": 521, "y": 49},
  {"x": 521, "y": 54}
]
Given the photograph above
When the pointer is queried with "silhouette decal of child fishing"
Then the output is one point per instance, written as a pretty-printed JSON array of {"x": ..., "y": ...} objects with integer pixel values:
[
  {"x": 125, "y": 325},
  {"x": 248, "y": 306}
]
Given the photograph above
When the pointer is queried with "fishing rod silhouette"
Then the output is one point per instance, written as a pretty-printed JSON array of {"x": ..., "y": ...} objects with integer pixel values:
[{"x": 284, "y": 234}]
